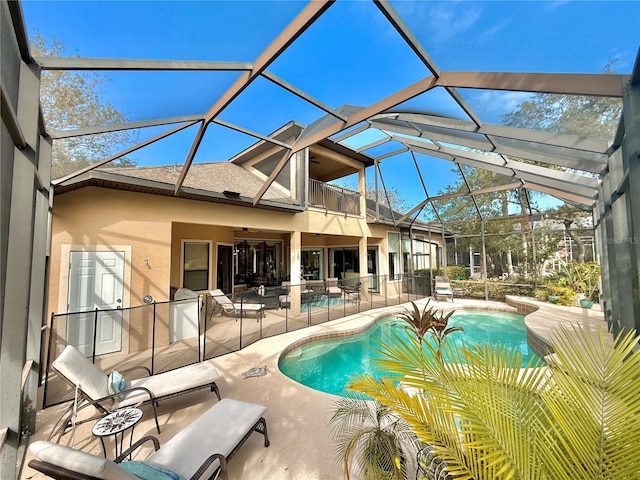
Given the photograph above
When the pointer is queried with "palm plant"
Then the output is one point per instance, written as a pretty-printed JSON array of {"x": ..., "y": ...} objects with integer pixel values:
[
  {"x": 429, "y": 319},
  {"x": 372, "y": 441},
  {"x": 489, "y": 419}
]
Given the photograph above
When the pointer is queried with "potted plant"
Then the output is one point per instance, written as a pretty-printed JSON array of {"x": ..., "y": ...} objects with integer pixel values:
[
  {"x": 588, "y": 277},
  {"x": 373, "y": 442},
  {"x": 560, "y": 295},
  {"x": 581, "y": 278}
]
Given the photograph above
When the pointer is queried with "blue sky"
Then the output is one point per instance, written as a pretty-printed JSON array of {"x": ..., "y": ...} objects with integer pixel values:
[{"x": 351, "y": 55}]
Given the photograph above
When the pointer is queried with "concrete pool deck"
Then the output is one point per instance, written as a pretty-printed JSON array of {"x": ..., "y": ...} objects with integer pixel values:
[{"x": 297, "y": 417}]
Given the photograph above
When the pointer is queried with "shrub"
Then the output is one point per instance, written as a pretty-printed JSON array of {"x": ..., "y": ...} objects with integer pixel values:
[
  {"x": 567, "y": 296},
  {"x": 497, "y": 290}
]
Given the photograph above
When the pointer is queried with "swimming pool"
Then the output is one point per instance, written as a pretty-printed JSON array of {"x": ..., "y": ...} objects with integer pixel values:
[{"x": 329, "y": 364}]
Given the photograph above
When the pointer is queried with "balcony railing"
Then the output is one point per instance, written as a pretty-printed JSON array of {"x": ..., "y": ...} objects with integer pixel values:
[{"x": 333, "y": 198}]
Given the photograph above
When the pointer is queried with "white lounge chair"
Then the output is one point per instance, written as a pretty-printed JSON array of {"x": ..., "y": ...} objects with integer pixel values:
[
  {"x": 93, "y": 385},
  {"x": 236, "y": 309},
  {"x": 443, "y": 288},
  {"x": 199, "y": 451}
]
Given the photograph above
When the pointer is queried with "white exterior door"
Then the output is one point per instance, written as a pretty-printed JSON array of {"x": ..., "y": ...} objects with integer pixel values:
[{"x": 95, "y": 281}]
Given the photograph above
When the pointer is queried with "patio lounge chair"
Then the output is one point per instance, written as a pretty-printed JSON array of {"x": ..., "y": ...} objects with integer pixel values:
[
  {"x": 332, "y": 288},
  {"x": 199, "y": 450},
  {"x": 236, "y": 309},
  {"x": 443, "y": 288},
  {"x": 94, "y": 386}
]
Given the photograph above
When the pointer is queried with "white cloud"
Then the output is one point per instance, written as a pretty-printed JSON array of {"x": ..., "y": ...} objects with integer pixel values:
[
  {"x": 556, "y": 4},
  {"x": 491, "y": 105},
  {"x": 486, "y": 35},
  {"x": 441, "y": 20}
]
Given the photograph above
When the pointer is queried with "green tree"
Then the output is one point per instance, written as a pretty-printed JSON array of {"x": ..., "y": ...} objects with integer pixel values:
[
  {"x": 577, "y": 224},
  {"x": 505, "y": 237},
  {"x": 392, "y": 199},
  {"x": 73, "y": 100},
  {"x": 571, "y": 114}
]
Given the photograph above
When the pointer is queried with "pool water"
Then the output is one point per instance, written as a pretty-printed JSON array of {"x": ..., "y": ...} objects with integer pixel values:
[{"x": 328, "y": 365}]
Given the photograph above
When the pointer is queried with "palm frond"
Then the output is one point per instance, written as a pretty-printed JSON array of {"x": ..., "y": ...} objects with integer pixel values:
[
  {"x": 488, "y": 418},
  {"x": 594, "y": 402}
]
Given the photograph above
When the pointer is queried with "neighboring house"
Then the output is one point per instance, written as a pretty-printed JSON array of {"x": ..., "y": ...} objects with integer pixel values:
[{"x": 122, "y": 234}]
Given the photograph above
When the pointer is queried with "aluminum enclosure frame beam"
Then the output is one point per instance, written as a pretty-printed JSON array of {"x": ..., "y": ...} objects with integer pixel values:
[
  {"x": 304, "y": 20},
  {"x": 579, "y": 160},
  {"x": 106, "y": 64},
  {"x": 403, "y": 95},
  {"x": 597, "y": 85},
  {"x": 564, "y": 140}
]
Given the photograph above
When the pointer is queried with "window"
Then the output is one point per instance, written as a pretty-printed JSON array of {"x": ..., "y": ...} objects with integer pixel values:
[
  {"x": 196, "y": 265},
  {"x": 406, "y": 253},
  {"x": 420, "y": 252},
  {"x": 258, "y": 262},
  {"x": 395, "y": 268},
  {"x": 311, "y": 264},
  {"x": 344, "y": 263}
]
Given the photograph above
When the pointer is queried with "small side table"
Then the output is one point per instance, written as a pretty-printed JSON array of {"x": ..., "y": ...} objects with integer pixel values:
[{"x": 116, "y": 423}]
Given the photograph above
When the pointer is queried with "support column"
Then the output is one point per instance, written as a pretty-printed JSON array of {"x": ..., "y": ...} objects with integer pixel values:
[
  {"x": 362, "y": 190},
  {"x": 631, "y": 153},
  {"x": 484, "y": 263},
  {"x": 471, "y": 262},
  {"x": 295, "y": 245},
  {"x": 533, "y": 252},
  {"x": 362, "y": 260},
  {"x": 24, "y": 193}
]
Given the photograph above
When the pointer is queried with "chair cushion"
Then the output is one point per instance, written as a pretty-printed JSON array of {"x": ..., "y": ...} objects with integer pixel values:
[
  {"x": 78, "y": 461},
  {"x": 444, "y": 291},
  {"x": 250, "y": 307},
  {"x": 170, "y": 382},
  {"x": 149, "y": 472},
  {"x": 218, "y": 430},
  {"x": 80, "y": 371}
]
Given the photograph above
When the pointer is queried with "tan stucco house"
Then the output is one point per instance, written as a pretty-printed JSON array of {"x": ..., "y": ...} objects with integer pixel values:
[{"x": 123, "y": 236}]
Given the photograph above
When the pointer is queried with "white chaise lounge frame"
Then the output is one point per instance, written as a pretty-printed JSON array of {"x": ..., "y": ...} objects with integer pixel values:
[
  {"x": 235, "y": 309},
  {"x": 199, "y": 451},
  {"x": 93, "y": 386},
  {"x": 443, "y": 288}
]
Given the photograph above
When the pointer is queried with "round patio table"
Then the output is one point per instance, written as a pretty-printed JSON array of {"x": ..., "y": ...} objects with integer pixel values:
[{"x": 116, "y": 423}]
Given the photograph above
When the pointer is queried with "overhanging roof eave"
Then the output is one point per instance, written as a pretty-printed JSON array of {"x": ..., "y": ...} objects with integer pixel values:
[{"x": 140, "y": 185}]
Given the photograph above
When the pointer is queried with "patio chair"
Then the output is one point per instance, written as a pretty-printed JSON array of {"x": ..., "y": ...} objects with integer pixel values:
[
  {"x": 284, "y": 297},
  {"x": 269, "y": 296},
  {"x": 332, "y": 288},
  {"x": 443, "y": 288},
  {"x": 352, "y": 292},
  {"x": 199, "y": 451},
  {"x": 107, "y": 393},
  {"x": 236, "y": 309}
]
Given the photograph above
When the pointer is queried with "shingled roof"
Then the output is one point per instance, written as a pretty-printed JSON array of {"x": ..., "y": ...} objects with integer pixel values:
[{"x": 216, "y": 177}]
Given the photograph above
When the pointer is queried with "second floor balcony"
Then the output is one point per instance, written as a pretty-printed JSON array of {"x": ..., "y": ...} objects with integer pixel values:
[{"x": 333, "y": 198}]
